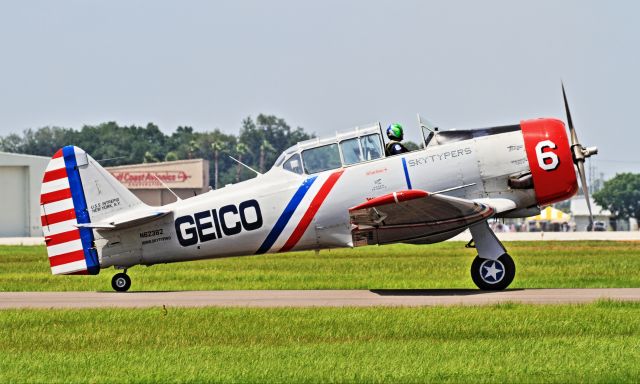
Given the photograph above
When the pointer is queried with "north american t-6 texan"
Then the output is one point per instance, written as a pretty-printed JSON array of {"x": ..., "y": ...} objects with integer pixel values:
[{"x": 341, "y": 191}]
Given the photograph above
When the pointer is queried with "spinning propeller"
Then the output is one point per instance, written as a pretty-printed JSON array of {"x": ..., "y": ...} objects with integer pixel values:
[{"x": 579, "y": 153}]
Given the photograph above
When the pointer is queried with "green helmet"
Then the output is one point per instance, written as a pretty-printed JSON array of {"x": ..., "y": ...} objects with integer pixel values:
[{"x": 394, "y": 132}]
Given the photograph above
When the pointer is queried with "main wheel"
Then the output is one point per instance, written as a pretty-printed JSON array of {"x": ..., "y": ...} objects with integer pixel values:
[
  {"x": 493, "y": 275},
  {"x": 121, "y": 282}
]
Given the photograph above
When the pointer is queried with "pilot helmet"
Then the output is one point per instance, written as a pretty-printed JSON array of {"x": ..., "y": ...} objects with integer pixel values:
[{"x": 394, "y": 132}]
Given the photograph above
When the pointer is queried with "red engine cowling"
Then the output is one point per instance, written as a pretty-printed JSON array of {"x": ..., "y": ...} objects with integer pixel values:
[{"x": 550, "y": 160}]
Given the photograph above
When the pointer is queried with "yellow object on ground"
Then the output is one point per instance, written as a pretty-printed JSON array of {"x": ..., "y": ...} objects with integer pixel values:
[{"x": 551, "y": 214}]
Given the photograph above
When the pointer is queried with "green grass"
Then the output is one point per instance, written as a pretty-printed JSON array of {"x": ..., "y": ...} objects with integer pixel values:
[
  {"x": 505, "y": 343},
  {"x": 598, "y": 342},
  {"x": 445, "y": 265}
]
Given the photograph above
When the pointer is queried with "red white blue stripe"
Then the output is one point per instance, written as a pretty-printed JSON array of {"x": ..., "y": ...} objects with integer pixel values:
[{"x": 301, "y": 219}]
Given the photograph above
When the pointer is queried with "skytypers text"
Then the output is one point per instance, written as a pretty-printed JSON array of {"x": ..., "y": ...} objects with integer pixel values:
[{"x": 214, "y": 224}]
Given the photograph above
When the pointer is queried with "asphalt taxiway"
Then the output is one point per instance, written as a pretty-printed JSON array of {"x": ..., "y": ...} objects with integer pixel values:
[{"x": 311, "y": 298}]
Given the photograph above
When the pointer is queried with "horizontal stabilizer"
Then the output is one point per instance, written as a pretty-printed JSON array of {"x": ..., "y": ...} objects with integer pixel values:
[{"x": 127, "y": 220}]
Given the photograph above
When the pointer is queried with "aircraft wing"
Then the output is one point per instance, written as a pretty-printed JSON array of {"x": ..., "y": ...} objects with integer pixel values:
[{"x": 414, "y": 216}]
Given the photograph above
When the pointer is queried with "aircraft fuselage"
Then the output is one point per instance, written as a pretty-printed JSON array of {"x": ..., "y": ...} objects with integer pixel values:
[{"x": 283, "y": 211}]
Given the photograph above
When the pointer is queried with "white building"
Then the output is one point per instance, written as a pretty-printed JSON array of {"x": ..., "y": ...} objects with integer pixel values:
[
  {"x": 20, "y": 180},
  {"x": 580, "y": 213}
]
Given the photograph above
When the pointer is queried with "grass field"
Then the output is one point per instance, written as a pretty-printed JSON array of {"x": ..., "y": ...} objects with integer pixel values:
[
  {"x": 598, "y": 342},
  {"x": 507, "y": 343},
  {"x": 445, "y": 265}
]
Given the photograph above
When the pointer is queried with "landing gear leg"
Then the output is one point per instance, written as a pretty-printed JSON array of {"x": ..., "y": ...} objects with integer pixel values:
[
  {"x": 493, "y": 268},
  {"x": 121, "y": 282}
]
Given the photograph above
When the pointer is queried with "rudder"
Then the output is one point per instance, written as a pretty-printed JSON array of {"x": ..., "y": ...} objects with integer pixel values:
[{"x": 76, "y": 190}]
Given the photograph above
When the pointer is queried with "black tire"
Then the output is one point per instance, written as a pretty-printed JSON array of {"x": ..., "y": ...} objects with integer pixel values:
[
  {"x": 121, "y": 282},
  {"x": 493, "y": 275}
]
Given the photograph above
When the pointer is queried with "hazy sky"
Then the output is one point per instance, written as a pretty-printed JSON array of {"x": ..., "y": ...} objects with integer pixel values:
[{"x": 325, "y": 65}]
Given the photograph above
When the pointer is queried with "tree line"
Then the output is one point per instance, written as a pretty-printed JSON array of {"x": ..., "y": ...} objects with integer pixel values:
[
  {"x": 258, "y": 144},
  {"x": 621, "y": 195}
]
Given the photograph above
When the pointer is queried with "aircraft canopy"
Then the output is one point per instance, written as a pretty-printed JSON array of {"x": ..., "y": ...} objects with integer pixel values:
[{"x": 342, "y": 150}]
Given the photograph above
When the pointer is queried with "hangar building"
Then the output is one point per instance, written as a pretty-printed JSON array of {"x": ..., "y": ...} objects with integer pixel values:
[
  {"x": 580, "y": 213},
  {"x": 20, "y": 179}
]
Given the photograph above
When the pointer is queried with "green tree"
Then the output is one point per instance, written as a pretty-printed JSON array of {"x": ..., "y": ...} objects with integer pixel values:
[
  {"x": 621, "y": 195},
  {"x": 216, "y": 146},
  {"x": 205, "y": 143},
  {"x": 121, "y": 144},
  {"x": 150, "y": 158},
  {"x": 262, "y": 141},
  {"x": 193, "y": 148},
  {"x": 43, "y": 141},
  {"x": 241, "y": 150},
  {"x": 11, "y": 143},
  {"x": 275, "y": 131},
  {"x": 265, "y": 148},
  {"x": 180, "y": 140},
  {"x": 171, "y": 156}
]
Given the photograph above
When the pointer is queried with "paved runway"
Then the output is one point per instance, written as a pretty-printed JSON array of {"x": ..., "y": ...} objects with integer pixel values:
[{"x": 309, "y": 298}]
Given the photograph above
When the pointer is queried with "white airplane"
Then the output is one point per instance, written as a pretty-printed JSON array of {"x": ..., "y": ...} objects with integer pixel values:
[{"x": 335, "y": 192}]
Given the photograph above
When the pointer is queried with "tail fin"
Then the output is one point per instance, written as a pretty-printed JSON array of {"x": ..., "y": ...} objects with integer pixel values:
[{"x": 76, "y": 190}]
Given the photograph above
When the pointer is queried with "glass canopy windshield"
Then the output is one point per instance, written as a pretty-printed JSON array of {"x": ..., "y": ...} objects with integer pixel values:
[
  {"x": 321, "y": 158},
  {"x": 319, "y": 155},
  {"x": 361, "y": 149}
]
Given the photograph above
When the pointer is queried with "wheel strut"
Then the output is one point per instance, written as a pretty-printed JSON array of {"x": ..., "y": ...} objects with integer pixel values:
[{"x": 493, "y": 268}]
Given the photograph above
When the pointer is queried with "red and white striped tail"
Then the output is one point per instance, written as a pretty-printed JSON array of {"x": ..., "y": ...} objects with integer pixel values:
[{"x": 62, "y": 208}]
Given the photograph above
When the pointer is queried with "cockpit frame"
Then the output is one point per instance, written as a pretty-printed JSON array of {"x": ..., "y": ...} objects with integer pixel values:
[{"x": 358, "y": 133}]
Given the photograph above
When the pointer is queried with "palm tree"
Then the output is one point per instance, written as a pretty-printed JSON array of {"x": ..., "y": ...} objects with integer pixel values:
[
  {"x": 264, "y": 147},
  {"x": 149, "y": 158},
  {"x": 216, "y": 146},
  {"x": 193, "y": 147},
  {"x": 241, "y": 149},
  {"x": 171, "y": 156}
]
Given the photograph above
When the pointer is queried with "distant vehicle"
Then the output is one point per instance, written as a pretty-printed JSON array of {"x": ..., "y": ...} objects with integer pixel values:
[
  {"x": 335, "y": 192},
  {"x": 598, "y": 226}
]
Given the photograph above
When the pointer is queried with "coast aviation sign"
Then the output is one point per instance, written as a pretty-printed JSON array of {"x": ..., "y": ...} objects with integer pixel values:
[{"x": 175, "y": 174}]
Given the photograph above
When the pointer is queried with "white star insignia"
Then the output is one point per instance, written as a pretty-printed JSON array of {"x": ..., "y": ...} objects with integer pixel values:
[{"x": 492, "y": 271}]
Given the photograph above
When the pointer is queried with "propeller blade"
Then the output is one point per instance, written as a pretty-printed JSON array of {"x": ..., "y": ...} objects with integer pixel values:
[
  {"x": 572, "y": 130},
  {"x": 580, "y": 153},
  {"x": 585, "y": 191}
]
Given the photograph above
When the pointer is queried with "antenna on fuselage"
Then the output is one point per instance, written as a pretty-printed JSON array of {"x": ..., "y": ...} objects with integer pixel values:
[
  {"x": 166, "y": 186},
  {"x": 245, "y": 165}
]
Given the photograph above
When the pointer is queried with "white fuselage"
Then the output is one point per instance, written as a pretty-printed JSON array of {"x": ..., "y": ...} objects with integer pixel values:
[{"x": 281, "y": 210}]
